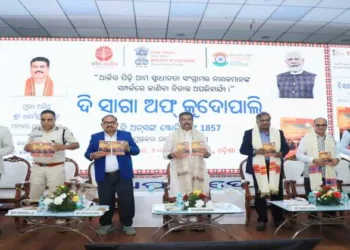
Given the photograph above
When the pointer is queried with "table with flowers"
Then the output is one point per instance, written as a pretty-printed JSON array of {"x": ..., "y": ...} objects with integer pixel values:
[
  {"x": 64, "y": 206},
  {"x": 195, "y": 211},
  {"x": 321, "y": 203}
]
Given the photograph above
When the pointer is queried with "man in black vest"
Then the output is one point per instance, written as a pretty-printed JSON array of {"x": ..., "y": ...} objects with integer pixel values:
[{"x": 297, "y": 83}]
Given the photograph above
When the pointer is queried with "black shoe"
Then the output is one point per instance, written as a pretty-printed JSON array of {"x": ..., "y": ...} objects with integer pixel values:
[{"x": 261, "y": 226}]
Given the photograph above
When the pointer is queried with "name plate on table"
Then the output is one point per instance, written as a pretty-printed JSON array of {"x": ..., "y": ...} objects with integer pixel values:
[
  {"x": 302, "y": 207},
  {"x": 200, "y": 209},
  {"x": 23, "y": 211},
  {"x": 91, "y": 211}
]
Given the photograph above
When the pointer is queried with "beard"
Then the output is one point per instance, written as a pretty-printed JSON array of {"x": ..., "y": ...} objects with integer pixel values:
[{"x": 296, "y": 68}]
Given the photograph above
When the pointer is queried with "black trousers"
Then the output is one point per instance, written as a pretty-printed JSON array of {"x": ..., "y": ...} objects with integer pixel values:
[
  {"x": 307, "y": 185},
  {"x": 261, "y": 205},
  {"x": 113, "y": 183}
]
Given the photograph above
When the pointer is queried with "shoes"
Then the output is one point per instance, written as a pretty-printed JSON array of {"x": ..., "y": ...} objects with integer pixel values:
[
  {"x": 129, "y": 230},
  {"x": 105, "y": 229},
  {"x": 261, "y": 226}
]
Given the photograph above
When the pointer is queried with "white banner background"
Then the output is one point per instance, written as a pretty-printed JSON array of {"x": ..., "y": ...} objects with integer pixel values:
[{"x": 75, "y": 71}]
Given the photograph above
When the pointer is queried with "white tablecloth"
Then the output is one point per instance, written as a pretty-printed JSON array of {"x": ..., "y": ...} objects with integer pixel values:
[
  {"x": 144, "y": 202},
  {"x": 233, "y": 196}
]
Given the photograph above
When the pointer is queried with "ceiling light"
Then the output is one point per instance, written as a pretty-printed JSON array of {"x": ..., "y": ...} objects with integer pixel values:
[{"x": 180, "y": 34}]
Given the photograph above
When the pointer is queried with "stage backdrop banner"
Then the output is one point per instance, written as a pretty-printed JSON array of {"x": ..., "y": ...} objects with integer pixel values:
[
  {"x": 340, "y": 69},
  {"x": 146, "y": 85}
]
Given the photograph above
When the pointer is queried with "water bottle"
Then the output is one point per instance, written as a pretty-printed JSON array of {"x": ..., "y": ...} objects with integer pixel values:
[
  {"x": 80, "y": 203},
  {"x": 41, "y": 203},
  {"x": 150, "y": 188},
  {"x": 179, "y": 201},
  {"x": 312, "y": 198},
  {"x": 344, "y": 198}
]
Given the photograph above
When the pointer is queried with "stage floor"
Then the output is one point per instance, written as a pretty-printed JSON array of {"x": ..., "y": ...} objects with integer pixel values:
[{"x": 334, "y": 237}]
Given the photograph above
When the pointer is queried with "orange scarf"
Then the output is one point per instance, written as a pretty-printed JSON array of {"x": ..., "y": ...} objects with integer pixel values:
[{"x": 30, "y": 87}]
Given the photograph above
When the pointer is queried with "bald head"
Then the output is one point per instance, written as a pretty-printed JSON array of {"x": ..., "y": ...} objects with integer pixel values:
[{"x": 320, "y": 126}]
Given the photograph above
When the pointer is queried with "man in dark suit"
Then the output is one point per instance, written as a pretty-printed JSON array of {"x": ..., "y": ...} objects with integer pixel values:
[
  {"x": 263, "y": 129},
  {"x": 114, "y": 174},
  {"x": 296, "y": 83}
]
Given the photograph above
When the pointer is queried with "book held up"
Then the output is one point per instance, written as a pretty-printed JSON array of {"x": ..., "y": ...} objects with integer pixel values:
[
  {"x": 198, "y": 148},
  {"x": 43, "y": 149},
  {"x": 270, "y": 148},
  {"x": 112, "y": 147},
  {"x": 183, "y": 147},
  {"x": 325, "y": 156}
]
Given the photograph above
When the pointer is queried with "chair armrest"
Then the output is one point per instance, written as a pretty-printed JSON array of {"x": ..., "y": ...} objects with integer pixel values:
[{"x": 287, "y": 187}]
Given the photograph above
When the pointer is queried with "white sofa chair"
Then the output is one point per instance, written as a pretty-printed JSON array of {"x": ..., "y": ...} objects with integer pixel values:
[
  {"x": 14, "y": 185},
  {"x": 14, "y": 181},
  {"x": 343, "y": 175},
  {"x": 293, "y": 170}
]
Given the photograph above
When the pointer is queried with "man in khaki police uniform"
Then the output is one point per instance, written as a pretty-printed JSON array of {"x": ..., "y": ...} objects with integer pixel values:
[{"x": 49, "y": 171}]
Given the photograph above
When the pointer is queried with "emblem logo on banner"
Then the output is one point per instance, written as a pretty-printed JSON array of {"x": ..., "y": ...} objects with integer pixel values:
[
  {"x": 141, "y": 53},
  {"x": 220, "y": 59}
]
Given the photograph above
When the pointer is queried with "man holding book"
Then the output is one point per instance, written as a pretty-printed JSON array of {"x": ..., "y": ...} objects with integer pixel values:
[
  {"x": 47, "y": 145},
  {"x": 187, "y": 148},
  {"x": 265, "y": 147},
  {"x": 319, "y": 152},
  {"x": 111, "y": 151}
]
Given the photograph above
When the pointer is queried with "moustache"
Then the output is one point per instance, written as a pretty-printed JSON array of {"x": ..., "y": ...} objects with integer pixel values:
[{"x": 39, "y": 71}]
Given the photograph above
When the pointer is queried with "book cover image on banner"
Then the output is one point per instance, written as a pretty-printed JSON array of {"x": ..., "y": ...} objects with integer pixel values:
[
  {"x": 294, "y": 129},
  {"x": 343, "y": 118}
]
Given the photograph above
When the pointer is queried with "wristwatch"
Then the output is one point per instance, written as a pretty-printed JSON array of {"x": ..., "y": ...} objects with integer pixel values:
[
  {"x": 169, "y": 157},
  {"x": 254, "y": 152}
]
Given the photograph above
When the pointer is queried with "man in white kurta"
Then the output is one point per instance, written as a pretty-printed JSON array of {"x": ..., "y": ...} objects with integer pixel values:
[{"x": 187, "y": 148}]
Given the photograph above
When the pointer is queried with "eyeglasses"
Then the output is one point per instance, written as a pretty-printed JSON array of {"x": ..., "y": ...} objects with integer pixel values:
[
  {"x": 109, "y": 123},
  {"x": 321, "y": 125},
  {"x": 267, "y": 120},
  {"x": 49, "y": 120}
]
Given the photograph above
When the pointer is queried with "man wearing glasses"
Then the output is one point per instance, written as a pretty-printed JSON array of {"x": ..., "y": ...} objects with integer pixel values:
[
  {"x": 114, "y": 173},
  {"x": 319, "y": 152},
  {"x": 48, "y": 171},
  {"x": 265, "y": 147}
]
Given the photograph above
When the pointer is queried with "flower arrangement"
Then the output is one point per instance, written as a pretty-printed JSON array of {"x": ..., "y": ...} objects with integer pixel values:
[
  {"x": 62, "y": 200},
  {"x": 195, "y": 199},
  {"x": 327, "y": 196}
]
